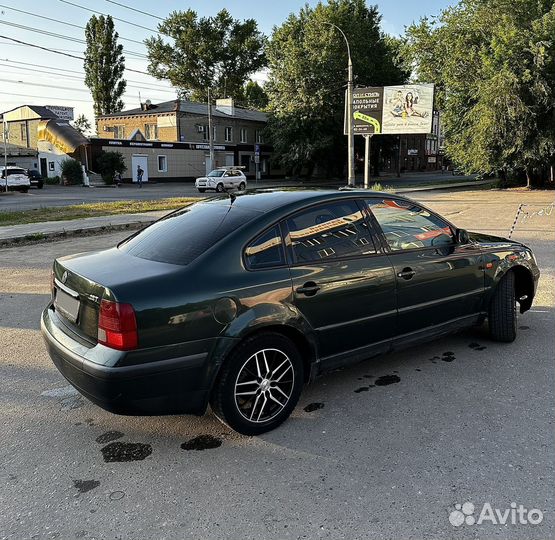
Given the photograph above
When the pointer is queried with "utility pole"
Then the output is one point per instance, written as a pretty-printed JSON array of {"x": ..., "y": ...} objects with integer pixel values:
[
  {"x": 350, "y": 132},
  {"x": 210, "y": 131},
  {"x": 5, "y": 128},
  {"x": 367, "y": 142}
]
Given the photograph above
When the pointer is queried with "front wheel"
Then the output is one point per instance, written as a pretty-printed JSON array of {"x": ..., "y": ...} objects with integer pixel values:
[
  {"x": 242, "y": 186},
  {"x": 201, "y": 190},
  {"x": 502, "y": 315},
  {"x": 220, "y": 188},
  {"x": 259, "y": 384}
]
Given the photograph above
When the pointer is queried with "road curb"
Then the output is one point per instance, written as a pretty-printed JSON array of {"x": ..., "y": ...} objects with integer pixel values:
[{"x": 61, "y": 235}]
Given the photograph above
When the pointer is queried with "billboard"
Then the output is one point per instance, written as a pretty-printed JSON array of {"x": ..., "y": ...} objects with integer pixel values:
[
  {"x": 64, "y": 113},
  {"x": 406, "y": 109}
]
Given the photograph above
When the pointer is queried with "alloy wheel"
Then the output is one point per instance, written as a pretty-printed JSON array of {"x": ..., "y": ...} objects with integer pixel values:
[{"x": 264, "y": 385}]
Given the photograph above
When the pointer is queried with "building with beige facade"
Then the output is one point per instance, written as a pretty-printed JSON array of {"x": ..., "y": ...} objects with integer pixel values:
[{"x": 170, "y": 140}]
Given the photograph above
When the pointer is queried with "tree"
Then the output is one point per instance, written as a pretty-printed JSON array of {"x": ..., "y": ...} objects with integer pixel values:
[
  {"x": 220, "y": 52},
  {"x": 493, "y": 62},
  {"x": 82, "y": 124},
  {"x": 104, "y": 65},
  {"x": 110, "y": 163},
  {"x": 306, "y": 88},
  {"x": 72, "y": 171},
  {"x": 254, "y": 96}
]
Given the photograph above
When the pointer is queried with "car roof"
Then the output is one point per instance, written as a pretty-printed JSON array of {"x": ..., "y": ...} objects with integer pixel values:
[{"x": 265, "y": 200}]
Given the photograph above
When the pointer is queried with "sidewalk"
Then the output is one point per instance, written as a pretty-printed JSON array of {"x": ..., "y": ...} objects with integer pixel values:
[{"x": 14, "y": 234}]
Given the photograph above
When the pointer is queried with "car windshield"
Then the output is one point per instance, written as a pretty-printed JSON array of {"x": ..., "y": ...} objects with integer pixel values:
[
  {"x": 15, "y": 171},
  {"x": 186, "y": 234},
  {"x": 216, "y": 173}
]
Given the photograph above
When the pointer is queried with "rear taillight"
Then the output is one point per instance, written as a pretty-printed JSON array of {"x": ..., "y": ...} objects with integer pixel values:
[{"x": 117, "y": 326}]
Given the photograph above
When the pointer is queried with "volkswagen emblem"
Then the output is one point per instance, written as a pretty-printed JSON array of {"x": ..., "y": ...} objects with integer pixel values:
[{"x": 64, "y": 277}]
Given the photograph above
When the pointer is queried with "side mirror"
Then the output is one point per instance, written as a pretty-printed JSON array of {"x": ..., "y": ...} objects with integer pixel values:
[{"x": 462, "y": 237}]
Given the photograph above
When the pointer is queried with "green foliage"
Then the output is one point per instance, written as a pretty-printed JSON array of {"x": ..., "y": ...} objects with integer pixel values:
[
  {"x": 52, "y": 181},
  {"x": 253, "y": 96},
  {"x": 104, "y": 65},
  {"x": 72, "y": 171},
  {"x": 220, "y": 52},
  {"x": 306, "y": 88},
  {"x": 493, "y": 62},
  {"x": 110, "y": 163},
  {"x": 82, "y": 124}
]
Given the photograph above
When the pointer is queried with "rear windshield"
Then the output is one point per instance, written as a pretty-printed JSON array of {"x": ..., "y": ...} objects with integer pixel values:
[
  {"x": 13, "y": 171},
  {"x": 185, "y": 235}
]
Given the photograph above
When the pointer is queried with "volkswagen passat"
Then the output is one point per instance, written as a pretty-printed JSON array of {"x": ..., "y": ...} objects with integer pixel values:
[{"x": 239, "y": 301}]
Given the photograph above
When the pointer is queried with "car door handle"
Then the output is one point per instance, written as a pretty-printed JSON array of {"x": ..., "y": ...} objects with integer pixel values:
[
  {"x": 406, "y": 273},
  {"x": 308, "y": 289}
]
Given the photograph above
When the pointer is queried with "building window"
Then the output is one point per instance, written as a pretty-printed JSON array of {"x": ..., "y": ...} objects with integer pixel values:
[
  {"x": 119, "y": 132},
  {"x": 162, "y": 164},
  {"x": 213, "y": 133},
  {"x": 204, "y": 131},
  {"x": 258, "y": 135},
  {"x": 243, "y": 134},
  {"x": 228, "y": 134},
  {"x": 23, "y": 133},
  {"x": 151, "y": 132}
]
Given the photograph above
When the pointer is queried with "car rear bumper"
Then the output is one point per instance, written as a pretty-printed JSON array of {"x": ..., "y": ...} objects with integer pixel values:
[{"x": 170, "y": 386}]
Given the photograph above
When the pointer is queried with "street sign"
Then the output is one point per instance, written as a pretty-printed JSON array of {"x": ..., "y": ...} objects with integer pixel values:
[{"x": 367, "y": 110}]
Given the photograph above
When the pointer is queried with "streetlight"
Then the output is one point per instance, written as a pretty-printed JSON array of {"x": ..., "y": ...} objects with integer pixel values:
[{"x": 350, "y": 134}]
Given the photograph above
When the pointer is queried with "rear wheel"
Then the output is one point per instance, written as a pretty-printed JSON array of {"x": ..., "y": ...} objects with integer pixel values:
[
  {"x": 201, "y": 190},
  {"x": 259, "y": 384},
  {"x": 502, "y": 315},
  {"x": 40, "y": 185},
  {"x": 242, "y": 186},
  {"x": 220, "y": 188}
]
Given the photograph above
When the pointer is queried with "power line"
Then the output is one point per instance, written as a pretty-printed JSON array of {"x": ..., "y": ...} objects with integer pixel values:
[
  {"x": 57, "y": 87},
  {"x": 50, "y": 97},
  {"x": 60, "y": 36},
  {"x": 136, "y": 10},
  {"x": 115, "y": 18},
  {"x": 59, "y": 52},
  {"x": 44, "y": 17},
  {"x": 152, "y": 85}
]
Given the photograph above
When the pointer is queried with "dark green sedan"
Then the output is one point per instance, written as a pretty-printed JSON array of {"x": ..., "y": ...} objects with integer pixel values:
[{"x": 237, "y": 302}]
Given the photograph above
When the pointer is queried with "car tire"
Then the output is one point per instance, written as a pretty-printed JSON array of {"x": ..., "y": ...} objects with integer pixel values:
[
  {"x": 40, "y": 185},
  {"x": 242, "y": 186},
  {"x": 267, "y": 370},
  {"x": 220, "y": 188},
  {"x": 201, "y": 190},
  {"x": 24, "y": 190},
  {"x": 502, "y": 317}
]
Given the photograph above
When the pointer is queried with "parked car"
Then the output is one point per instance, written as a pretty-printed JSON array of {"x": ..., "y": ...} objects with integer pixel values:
[
  {"x": 221, "y": 179},
  {"x": 36, "y": 179},
  {"x": 239, "y": 301},
  {"x": 17, "y": 179}
]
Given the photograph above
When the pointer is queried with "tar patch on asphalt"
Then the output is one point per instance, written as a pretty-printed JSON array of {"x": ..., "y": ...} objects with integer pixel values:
[
  {"x": 524, "y": 327},
  {"x": 477, "y": 346},
  {"x": 448, "y": 356},
  {"x": 202, "y": 442},
  {"x": 109, "y": 436},
  {"x": 362, "y": 389},
  {"x": 313, "y": 407},
  {"x": 385, "y": 380},
  {"x": 85, "y": 485},
  {"x": 120, "y": 451}
]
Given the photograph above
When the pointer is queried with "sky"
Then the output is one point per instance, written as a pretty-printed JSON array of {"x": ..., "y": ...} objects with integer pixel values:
[{"x": 36, "y": 77}]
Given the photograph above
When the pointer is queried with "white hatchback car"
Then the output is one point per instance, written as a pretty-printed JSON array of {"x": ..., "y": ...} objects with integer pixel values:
[
  {"x": 17, "y": 179},
  {"x": 221, "y": 179}
]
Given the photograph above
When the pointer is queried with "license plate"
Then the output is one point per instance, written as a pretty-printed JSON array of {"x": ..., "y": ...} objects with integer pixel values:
[{"x": 67, "y": 305}]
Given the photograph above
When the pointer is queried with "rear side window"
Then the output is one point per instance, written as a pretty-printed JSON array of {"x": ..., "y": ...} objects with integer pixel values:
[
  {"x": 266, "y": 251},
  {"x": 329, "y": 231},
  {"x": 408, "y": 226},
  {"x": 185, "y": 235}
]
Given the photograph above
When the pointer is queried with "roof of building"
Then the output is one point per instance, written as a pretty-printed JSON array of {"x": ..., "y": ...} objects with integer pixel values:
[
  {"x": 192, "y": 107},
  {"x": 41, "y": 111}
]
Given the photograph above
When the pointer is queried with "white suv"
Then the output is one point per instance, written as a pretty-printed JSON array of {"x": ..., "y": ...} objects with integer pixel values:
[
  {"x": 221, "y": 179},
  {"x": 17, "y": 179}
]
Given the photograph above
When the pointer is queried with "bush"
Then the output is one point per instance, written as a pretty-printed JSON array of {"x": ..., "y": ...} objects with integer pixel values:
[
  {"x": 110, "y": 163},
  {"x": 53, "y": 181},
  {"x": 72, "y": 172}
]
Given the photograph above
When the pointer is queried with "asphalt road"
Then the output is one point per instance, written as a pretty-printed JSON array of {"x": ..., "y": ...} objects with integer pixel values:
[
  {"x": 69, "y": 195},
  {"x": 388, "y": 462}
]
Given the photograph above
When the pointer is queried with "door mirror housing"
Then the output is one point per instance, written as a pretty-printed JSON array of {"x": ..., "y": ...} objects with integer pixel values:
[{"x": 462, "y": 236}]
